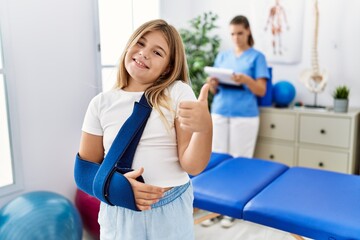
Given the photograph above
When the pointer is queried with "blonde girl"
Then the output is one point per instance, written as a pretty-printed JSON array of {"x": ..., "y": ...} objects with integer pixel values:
[{"x": 176, "y": 141}]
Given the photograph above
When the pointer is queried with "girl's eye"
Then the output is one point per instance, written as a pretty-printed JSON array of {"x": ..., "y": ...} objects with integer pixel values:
[
  {"x": 157, "y": 53},
  {"x": 141, "y": 44}
]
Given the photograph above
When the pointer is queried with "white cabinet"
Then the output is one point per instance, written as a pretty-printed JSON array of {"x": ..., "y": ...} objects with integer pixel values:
[
  {"x": 310, "y": 138},
  {"x": 325, "y": 130},
  {"x": 278, "y": 125},
  {"x": 279, "y": 152},
  {"x": 277, "y": 132}
]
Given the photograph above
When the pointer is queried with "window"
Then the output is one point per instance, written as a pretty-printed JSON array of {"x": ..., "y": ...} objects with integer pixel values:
[
  {"x": 117, "y": 21},
  {"x": 6, "y": 169},
  {"x": 7, "y": 173},
  {"x": 10, "y": 164}
]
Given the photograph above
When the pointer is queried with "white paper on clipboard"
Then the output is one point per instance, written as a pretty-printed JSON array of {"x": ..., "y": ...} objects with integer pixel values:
[{"x": 222, "y": 74}]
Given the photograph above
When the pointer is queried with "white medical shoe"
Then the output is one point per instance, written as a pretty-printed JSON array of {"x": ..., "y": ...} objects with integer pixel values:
[
  {"x": 211, "y": 221},
  {"x": 227, "y": 222}
]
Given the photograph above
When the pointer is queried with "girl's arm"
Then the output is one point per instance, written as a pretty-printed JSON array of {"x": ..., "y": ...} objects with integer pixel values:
[
  {"x": 194, "y": 133},
  {"x": 91, "y": 149}
]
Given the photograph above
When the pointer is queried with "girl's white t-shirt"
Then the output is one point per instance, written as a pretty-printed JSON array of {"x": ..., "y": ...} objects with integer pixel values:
[{"x": 157, "y": 149}]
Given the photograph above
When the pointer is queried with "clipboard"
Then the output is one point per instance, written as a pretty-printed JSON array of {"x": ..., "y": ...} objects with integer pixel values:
[{"x": 222, "y": 74}]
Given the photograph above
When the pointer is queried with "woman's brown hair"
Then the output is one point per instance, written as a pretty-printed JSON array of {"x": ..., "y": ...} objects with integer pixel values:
[{"x": 242, "y": 20}]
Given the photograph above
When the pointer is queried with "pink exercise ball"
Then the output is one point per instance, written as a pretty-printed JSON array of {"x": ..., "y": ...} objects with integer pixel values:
[{"x": 88, "y": 207}]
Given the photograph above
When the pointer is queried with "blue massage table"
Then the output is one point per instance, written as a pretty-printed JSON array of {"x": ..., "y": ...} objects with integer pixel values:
[
  {"x": 306, "y": 202},
  {"x": 215, "y": 159}
]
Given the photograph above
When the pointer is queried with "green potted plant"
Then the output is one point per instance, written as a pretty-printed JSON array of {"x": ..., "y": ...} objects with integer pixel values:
[
  {"x": 341, "y": 98},
  {"x": 201, "y": 47}
]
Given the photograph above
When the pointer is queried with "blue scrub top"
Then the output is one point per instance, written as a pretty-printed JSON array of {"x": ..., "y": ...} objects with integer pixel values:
[{"x": 235, "y": 101}]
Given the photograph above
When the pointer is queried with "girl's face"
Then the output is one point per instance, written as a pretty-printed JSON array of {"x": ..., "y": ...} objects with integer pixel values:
[
  {"x": 239, "y": 35},
  {"x": 147, "y": 60}
]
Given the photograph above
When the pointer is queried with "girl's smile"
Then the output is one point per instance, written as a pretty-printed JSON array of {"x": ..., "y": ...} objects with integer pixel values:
[{"x": 140, "y": 64}]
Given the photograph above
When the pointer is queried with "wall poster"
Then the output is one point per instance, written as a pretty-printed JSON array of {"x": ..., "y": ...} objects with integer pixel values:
[{"x": 277, "y": 26}]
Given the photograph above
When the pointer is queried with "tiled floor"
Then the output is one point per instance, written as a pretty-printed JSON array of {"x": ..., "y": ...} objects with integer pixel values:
[{"x": 241, "y": 230}]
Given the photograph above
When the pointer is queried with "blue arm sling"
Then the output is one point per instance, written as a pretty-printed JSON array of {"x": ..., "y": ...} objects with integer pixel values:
[{"x": 105, "y": 181}]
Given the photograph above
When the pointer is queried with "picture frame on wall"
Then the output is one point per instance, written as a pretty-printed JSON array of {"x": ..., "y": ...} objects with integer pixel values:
[{"x": 277, "y": 26}]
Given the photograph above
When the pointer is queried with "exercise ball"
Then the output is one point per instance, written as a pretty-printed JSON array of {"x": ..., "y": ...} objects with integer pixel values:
[
  {"x": 88, "y": 207},
  {"x": 40, "y": 215},
  {"x": 283, "y": 93}
]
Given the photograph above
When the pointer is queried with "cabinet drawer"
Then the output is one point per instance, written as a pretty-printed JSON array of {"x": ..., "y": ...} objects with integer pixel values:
[
  {"x": 327, "y": 160},
  {"x": 277, "y": 125},
  {"x": 326, "y": 131},
  {"x": 275, "y": 152}
]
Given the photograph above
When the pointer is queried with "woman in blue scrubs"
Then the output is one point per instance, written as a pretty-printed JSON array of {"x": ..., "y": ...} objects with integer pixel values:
[{"x": 234, "y": 110}]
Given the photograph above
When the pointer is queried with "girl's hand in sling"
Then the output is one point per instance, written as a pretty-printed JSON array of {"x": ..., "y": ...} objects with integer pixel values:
[{"x": 145, "y": 195}]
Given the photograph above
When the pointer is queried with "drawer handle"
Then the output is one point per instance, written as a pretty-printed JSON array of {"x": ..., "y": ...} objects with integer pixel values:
[
  {"x": 322, "y": 131},
  {"x": 271, "y": 156},
  {"x": 272, "y": 126},
  {"x": 321, "y": 164}
]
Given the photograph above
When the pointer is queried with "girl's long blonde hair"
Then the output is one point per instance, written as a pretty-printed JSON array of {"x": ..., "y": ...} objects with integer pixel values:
[{"x": 177, "y": 69}]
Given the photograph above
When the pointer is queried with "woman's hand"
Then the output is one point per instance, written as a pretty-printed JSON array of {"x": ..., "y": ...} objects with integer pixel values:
[
  {"x": 256, "y": 86},
  {"x": 240, "y": 78},
  {"x": 145, "y": 195},
  {"x": 213, "y": 83},
  {"x": 194, "y": 116}
]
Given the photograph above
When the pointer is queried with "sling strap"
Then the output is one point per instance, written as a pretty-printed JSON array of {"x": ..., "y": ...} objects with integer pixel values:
[{"x": 105, "y": 181}]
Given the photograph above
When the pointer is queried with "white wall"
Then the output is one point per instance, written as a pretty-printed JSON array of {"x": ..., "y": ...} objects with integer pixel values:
[
  {"x": 339, "y": 36},
  {"x": 176, "y": 12},
  {"x": 50, "y": 58}
]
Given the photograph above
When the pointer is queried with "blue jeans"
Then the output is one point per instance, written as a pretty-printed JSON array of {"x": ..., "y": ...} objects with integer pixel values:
[{"x": 169, "y": 219}]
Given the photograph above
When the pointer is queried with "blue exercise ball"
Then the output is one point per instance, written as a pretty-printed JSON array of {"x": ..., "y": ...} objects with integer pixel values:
[
  {"x": 283, "y": 93},
  {"x": 40, "y": 215}
]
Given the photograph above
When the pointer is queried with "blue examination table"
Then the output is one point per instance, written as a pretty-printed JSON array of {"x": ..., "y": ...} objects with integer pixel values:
[{"x": 305, "y": 202}]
